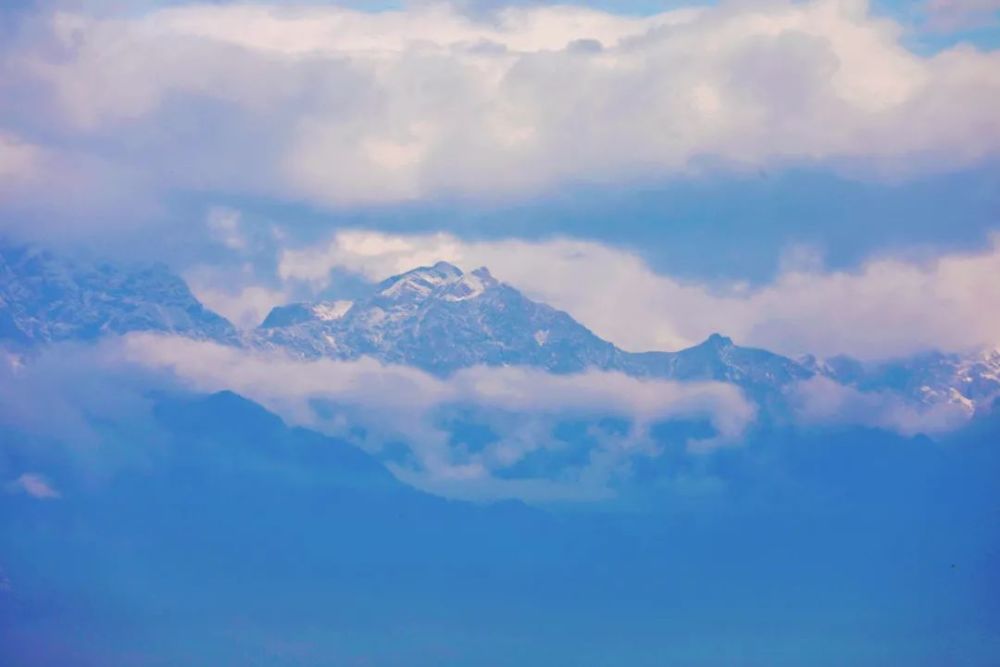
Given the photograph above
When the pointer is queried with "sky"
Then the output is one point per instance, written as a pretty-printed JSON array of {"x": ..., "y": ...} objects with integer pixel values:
[
  {"x": 807, "y": 176},
  {"x": 783, "y": 172}
]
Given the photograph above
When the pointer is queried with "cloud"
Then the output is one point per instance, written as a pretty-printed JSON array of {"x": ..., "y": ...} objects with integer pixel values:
[
  {"x": 18, "y": 160},
  {"x": 235, "y": 274},
  {"x": 224, "y": 225},
  {"x": 483, "y": 433},
  {"x": 34, "y": 485},
  {"x": 49, "y": 188},
  {"x": 888, "y": 307},
  {"x": 383, "y": 405},
  {"x": 51, "y": 400},
  {"x": 822, "y": 401},
  {"x": 246, "y": 307},
  {"x": 342, "y": 107}
]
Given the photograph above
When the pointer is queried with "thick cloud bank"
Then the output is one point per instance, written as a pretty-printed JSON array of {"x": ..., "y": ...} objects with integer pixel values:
[{"x": 337, "y": 106}]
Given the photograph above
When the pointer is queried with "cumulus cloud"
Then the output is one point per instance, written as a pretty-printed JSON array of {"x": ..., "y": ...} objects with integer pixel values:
[
  {"x": 337, "y": 106},
  {"x": 34, "y": 485},
  {"x": 887, "y": 307},
  {"x": 394, "y": 404}
]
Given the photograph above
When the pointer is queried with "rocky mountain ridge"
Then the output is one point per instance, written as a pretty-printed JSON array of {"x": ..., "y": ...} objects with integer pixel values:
[{"x": 440, "y": 319}]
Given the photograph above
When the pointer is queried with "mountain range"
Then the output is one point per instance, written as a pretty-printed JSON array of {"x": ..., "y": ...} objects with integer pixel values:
[
  {"x": 185, "y": 528},
  {"x": 439, "y": 319},
  {"x": 45, "y": 298}
]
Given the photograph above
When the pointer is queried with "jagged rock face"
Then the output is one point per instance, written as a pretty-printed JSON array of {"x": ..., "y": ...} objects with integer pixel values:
[
  {"x": 440, "y": 319},
  {"x": 48, "y": 299}
]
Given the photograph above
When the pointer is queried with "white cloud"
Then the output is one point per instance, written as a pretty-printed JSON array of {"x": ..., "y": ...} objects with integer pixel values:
[
  {"x": 338, "y": 106},
  {"x": 822, "y": 401},
  {"x": 34, "y": 485},
  {"x": 231, "y": 286},
  {"x": 400, "y": 404},
  {"x": 246, "y": 307},
  {"x": 380, "y": 407},
  {"x": 887, "y": 307}
]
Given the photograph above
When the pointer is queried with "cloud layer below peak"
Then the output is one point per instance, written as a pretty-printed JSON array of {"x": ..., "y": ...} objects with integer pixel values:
[{"x": 384, "y": 406}]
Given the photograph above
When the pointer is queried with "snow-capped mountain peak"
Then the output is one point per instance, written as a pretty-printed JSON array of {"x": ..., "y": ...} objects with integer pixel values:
[
  {"x": 470, "y": 285},
  {"x": 442, "y": 281},
  {"x": 440, "y": 318},
  {"x": 331, "y": 310},
  {"x": 421, "y": 282},
  {"x": 928, "y": 378}
]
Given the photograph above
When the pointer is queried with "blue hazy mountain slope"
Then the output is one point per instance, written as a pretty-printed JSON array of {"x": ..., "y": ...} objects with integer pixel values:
[
  {"x": 248, "y": 542},
  {"x": 46, "y": 298}
]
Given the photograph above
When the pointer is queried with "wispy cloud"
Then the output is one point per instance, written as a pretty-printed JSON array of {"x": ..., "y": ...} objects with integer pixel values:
[{"x": 34, "y": 485}]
